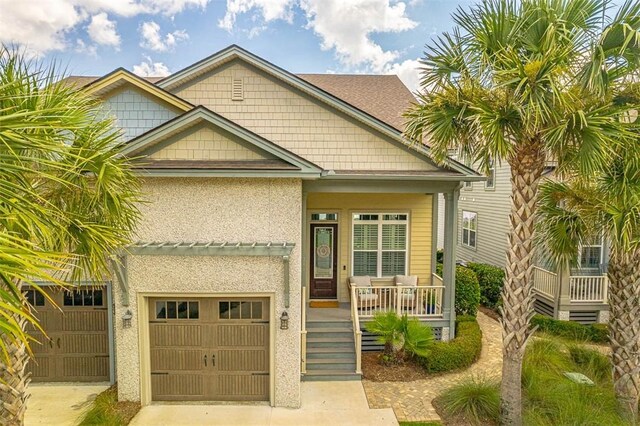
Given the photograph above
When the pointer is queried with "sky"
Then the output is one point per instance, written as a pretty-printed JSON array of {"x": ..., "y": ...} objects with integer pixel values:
[{"x": 158, "y": 37}]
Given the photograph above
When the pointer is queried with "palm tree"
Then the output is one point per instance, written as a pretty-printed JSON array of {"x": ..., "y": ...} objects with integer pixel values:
[
  {"x": 581, "y": 208},
  {"x": 526, "y": 82},
  {"x": 67, "y": 202},
  {"x": 402, "y": 337}
]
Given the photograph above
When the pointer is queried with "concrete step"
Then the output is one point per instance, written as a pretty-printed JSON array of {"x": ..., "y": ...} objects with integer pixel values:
[
  {"x": 333, "y": 324},
  {"x": 335, "y": 353},
  {"x": 329, "y": 333},
  {"x": 347, "y": 365},
  {"x": 330, "y": 376}
]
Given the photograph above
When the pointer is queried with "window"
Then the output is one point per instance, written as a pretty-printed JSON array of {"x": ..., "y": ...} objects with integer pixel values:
[
  {"x": 469, "y": 228},
  {"x": 379, "y": 244},
  {"x": 240, "y": 310},
  {"x": 324, "y": 217},
  {"x": 491, "y": 181},
  {"x": 590, "y": 255},
  {"x": 83, "y": 298},
  {"x": 35, "y": 298},
  {"x": 177, "y": 309}
]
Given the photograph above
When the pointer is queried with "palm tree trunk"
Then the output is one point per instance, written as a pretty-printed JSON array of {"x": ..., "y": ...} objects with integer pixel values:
[
  {"x": 624, "y": 327},
  {"x": 13, "y": 383},
  {"x": 526, "y": 164}
]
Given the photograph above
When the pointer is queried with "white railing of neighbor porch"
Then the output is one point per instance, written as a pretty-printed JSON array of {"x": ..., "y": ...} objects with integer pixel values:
[
  {"x": 545, "y": 282},
  {"x": 357, "y": 333},
  {"x": 589, "y": 289},
  {"x": 420, "y": 301}
]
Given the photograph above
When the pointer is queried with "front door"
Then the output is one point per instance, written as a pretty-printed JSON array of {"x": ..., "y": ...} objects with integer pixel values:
[{"x": 324, "y": 261}]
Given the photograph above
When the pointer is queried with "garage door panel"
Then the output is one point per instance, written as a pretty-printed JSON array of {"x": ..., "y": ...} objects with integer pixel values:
[
  {"x": 239, "y": 335},
  {"x": 176, "y": 335},
  {"x": 96, "y": 344},
  {"x": 176, "y": 359},
  {"x": 40, "y": 368},
  {"x": 95, "y": 320},
  {"x": 85, "y": 368},
  {"x": 243, "y": 387},
  {"x": 177, "y": 387},
  {"x": 244, "y": 360}
]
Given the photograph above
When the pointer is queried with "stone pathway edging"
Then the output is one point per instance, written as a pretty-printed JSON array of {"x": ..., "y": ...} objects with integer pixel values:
[{"x": 411, "y": 401}]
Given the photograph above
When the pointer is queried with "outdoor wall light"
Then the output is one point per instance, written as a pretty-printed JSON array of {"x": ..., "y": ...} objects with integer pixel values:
[
  {"x": 284, "y": 321},
  {"x": 126, "y": 319}
]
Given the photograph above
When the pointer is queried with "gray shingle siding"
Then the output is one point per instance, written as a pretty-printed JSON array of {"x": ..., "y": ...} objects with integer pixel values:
[
  {"x": 136, "y": 113},
  {"x": 492, "y": 207}
]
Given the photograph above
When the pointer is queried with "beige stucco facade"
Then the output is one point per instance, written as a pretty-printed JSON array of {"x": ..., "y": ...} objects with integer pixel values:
[{"x": 220, "y": 209}]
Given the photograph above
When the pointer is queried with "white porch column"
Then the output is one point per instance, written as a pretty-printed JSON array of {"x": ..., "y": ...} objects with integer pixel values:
[
  {"x": 449, "y": 260},
  {"x": 434, "y": 234},
  {"x": 564, "y": 294}
]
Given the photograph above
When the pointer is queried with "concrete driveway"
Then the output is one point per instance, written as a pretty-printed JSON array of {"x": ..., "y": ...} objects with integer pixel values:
[
  {"x": 59, "y": 404},
  {"x": 323, "y": 403}
]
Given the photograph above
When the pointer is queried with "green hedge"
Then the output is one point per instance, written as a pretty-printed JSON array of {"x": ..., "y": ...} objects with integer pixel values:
[
  {"x": 458, "y": 353},
  {"x": 467, "y": 290},
  {"x": 597, "y": 333},
  {"x": 491, "y": 280}
]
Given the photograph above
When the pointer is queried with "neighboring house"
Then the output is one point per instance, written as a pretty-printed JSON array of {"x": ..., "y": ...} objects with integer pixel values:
[
  {"x": 265, "y": 190},
  {"x": 579, "y": 294}
]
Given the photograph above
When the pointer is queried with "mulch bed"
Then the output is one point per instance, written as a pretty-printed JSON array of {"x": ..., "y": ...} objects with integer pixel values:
[
  {"x": 489, "y": 312},
  {"x": 373, "y": 370}
]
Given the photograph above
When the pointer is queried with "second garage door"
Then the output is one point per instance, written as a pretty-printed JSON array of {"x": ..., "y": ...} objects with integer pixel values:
[{"x": 209, "y": 349}]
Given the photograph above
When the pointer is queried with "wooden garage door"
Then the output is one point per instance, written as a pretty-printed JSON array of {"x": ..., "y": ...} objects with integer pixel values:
[
  {"x": 76, "y": 348},
  {"x": 208, "y": 349}
]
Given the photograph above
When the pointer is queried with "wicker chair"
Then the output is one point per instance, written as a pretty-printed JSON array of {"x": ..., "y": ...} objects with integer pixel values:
[{"x": 364, "y": 292}]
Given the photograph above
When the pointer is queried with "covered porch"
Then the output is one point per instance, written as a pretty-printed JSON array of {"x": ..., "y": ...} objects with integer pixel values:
[{"x": 571, "y": 295}]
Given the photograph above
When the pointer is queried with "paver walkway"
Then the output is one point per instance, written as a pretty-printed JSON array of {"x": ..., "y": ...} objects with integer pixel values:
[{"x": 411, "y": 401}]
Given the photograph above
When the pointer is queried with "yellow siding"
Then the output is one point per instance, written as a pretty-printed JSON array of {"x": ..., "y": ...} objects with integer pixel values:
[
  {"x": 309, "y": 128},
  {"x": 420, "y": 215}
]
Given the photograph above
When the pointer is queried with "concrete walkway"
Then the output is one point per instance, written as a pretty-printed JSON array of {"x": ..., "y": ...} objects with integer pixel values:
[
  {"x": 411, "y": 401},
  {"x": 323, "y": 403},
  {"x": 59, "y": 404}
]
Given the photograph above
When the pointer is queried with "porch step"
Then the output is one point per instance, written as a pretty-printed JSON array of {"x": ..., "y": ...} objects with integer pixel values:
[
  {"x": 324, "y": 353},
  {"x": 333, "y": 364},
  {"x": 330, "y": 376},
  {"x": 329, "y": 324},
  {"x": 329, "y": 342},
  {"x": 338, "y": 332}
]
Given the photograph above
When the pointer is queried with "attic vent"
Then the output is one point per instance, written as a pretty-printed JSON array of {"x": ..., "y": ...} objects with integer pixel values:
[{"x": 237, "y": 89}]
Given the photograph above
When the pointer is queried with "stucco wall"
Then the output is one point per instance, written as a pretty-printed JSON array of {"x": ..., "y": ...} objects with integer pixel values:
[
  {"x": 294, "y": 121},
  {"x": 200, "y": 209}
]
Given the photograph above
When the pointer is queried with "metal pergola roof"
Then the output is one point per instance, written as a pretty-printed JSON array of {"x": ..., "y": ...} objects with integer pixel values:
[{"x": 211, "y": 248}]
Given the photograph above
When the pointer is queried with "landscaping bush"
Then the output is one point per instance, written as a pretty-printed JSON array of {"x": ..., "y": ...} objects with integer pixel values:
[
  {"x": 491, "y": 280},
  {"x": 475, "y": 400},
  {"x": 458, "y": 353},
  {"x": 467, "y": 290},
  {"x": 596, "y": 333}
]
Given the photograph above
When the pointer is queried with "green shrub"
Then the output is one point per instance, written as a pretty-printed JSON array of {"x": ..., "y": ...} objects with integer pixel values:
[
  {"x": 458, "y": 353},
  {"x": 597, "y": 333},
  {"x": 491, "y": 280},
  {"x": 401, "y": 336},
  {"x": 467, "y": 291},
  {"x": 476, "y": 400}
]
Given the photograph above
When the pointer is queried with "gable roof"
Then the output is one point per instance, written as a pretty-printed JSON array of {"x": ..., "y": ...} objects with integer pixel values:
[
  {"x": 120, "y": 76},
  {"x": 383, "y": 96},
  {"x": 284, "y": 160},
  {"x": 234, "y": 52}
]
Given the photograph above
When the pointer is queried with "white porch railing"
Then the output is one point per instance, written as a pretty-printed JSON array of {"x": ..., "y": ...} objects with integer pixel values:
[
  {"x": 437, "y": 280},
  {"x": 357, "y": 333},
  {"x": 545, "y": 282},
  {"x": 420, "y": 301},
  {"x": 303, "y": 332},
  {"x": 589, "y": 289}
]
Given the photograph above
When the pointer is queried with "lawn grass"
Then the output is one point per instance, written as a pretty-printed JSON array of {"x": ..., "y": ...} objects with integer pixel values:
[{"x": 106, "y": 410}]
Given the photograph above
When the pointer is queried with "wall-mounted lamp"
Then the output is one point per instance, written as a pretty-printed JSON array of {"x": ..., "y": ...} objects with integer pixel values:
[
  {"x": 126, "y": 319},
  {"x": 284, "y": 321}
]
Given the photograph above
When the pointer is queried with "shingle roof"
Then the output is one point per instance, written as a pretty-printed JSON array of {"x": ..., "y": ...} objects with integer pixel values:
[{"x": 383, "y": 96}]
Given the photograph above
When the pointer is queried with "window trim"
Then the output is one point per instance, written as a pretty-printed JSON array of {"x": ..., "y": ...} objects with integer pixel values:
[
  {"x": 379, "y": 250},
  {"x": 492, "y": 168},
  {"x": 462, "y": 228}
]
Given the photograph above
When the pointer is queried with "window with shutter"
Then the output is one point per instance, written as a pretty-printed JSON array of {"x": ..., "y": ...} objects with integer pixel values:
[{"x": 379, "y": 244}]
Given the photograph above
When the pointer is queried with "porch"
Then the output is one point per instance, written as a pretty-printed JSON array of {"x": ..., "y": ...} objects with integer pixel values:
[{"x": 575, "y": 295}]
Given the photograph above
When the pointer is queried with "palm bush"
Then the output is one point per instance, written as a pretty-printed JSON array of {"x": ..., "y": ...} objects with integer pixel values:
[
  {"x": 402, "y": 337},
  {"x": 476, "y": 399}
]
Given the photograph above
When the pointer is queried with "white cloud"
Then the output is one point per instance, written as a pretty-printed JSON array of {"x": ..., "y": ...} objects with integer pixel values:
[
  {"x": 269, "y": 9},
  {"x": 152, "y": 38},
  {"x": 103, "y": 31},
  {"x": 89, "y": 49},
  {"x": 148, "y": 68},
  {"x": 42, "y": 26},
  {"x": 408, "y": 71}
]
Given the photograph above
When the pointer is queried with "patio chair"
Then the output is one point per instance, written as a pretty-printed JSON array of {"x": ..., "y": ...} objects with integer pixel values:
[
  {"x": 407, "y": 291},
  {"x": 364, "y": 292}
]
